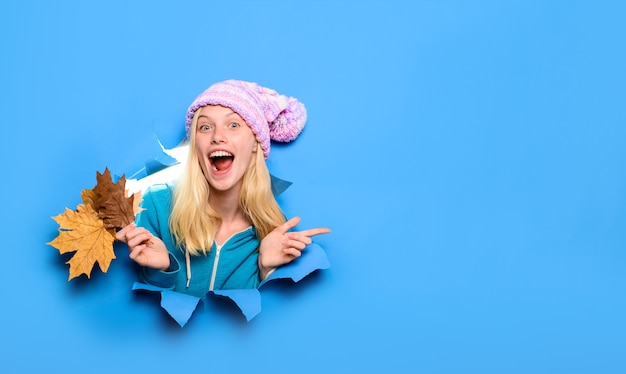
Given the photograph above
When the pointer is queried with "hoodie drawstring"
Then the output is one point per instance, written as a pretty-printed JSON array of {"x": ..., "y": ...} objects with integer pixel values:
[{"x": 188, "y": 265}]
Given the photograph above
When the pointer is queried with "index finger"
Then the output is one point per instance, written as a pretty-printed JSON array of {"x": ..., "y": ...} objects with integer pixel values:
[{"x": 316, "y": 231}]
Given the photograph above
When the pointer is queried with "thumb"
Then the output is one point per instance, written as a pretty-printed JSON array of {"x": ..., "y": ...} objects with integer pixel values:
[
  {"x": 290, "y": 224},
  {"x": 121, "y": 235}
]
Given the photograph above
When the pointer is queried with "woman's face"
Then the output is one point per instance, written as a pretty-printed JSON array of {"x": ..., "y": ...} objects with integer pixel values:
[{"x": 225, "y": 145}]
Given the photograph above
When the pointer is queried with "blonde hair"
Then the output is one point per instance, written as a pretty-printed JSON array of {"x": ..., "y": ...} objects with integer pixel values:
[{"x": 194, "y": 223}]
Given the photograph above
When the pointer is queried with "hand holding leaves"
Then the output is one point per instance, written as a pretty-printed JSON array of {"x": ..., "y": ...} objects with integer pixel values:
[{"x": 89, "y": 231}]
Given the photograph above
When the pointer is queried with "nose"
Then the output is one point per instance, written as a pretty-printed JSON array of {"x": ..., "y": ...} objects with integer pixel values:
[{"x": 218, "y": 137}]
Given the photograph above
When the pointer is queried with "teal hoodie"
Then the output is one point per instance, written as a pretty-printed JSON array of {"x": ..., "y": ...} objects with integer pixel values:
[{"x": 235, "y": 263}]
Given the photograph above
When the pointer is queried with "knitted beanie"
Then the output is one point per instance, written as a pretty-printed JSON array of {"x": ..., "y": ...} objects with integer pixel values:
[{"x": 270, "y": 116}]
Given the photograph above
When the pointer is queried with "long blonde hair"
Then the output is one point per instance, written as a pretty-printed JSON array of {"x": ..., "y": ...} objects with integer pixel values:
[{"x": 194, "y": 223}]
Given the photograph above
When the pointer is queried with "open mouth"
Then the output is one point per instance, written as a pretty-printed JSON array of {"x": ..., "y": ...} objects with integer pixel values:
[{"x": 221, "y": 160}]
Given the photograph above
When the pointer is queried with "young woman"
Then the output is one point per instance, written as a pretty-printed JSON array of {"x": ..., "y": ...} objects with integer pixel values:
[{"x": 219, "y": 226}]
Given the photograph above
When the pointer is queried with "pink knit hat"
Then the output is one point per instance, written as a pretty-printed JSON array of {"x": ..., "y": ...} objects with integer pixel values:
[{"x": 270, "y": 116}]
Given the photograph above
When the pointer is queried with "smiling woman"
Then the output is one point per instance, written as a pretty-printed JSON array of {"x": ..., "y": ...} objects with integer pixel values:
[{"x": 219, "y": 226}]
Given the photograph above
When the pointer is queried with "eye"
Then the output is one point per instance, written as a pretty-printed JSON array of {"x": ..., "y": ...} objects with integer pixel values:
[
  {"x": 233, "y": 125},
  {"x": 204, "y": 127}
]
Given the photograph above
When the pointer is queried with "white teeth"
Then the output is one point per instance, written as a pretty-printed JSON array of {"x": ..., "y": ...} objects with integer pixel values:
[{"x": 220, "y": 154}]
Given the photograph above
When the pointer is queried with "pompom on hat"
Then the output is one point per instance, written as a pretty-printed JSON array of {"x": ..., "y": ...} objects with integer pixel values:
[{"x": 271, "y": 116}]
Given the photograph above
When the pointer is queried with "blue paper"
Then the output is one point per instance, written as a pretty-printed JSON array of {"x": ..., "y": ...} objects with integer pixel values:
[
  {"x": 182, "y": 306},
  {"x": 313, "y": 258},
  {"x": 178, "y": 305},
  {"x": 248, "y": 300}
]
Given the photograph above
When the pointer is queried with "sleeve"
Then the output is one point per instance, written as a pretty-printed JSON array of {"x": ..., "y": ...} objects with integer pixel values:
[
  {"x": 160, "y": 278},
  {"x": 156, "y": 209},
  {"x": 148, "y": 217}
]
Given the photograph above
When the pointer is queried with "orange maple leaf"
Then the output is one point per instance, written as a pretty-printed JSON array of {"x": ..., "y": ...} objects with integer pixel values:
[
  {"x": 89, "y": 197},
  {"x": 83, "y": 232},
  {"x": 137, "y": 199}
]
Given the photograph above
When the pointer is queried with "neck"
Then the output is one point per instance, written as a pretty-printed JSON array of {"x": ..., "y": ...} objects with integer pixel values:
[
  {"x": 233, "y": 219},
  {"x": 226, "y": 204}
]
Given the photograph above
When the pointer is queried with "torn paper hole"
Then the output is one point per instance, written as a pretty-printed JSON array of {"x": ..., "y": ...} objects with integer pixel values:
[{"x": 181, "y": 306}]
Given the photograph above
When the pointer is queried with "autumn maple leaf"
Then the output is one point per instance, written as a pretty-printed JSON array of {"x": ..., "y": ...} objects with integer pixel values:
[
  {"x": 89, "y": 231},
  {"x": 81, "y": 231},
  {"x": 90, "y": 197},
  {"x": 137, "y": 199},
  {"x": 112, "y": 202}
]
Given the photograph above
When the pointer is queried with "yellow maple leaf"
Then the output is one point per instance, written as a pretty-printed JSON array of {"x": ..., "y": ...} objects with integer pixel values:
[
  {"x": 89, "y": 197},
  {"x": 83, "y": 232},
  {"x": 137, "y": 200}
]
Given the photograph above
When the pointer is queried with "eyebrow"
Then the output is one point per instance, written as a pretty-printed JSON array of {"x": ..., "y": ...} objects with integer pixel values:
[{"x": 207, "y": 117}]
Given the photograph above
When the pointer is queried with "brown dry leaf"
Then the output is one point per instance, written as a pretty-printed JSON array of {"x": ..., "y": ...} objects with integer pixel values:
[
  {"x": 83, "y": 232},
  {"x": 113, "y": 204}
]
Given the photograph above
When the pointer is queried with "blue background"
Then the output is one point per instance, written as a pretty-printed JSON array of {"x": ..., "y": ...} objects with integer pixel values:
[{"x": 468, "y": 156}]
